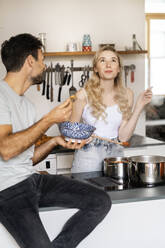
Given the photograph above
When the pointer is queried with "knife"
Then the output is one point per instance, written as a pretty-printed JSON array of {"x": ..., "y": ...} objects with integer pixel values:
[
  {"x": 44, "y": 82},
  {"x": 51, "y": 82},
  {"x": 47, "y": 88}
]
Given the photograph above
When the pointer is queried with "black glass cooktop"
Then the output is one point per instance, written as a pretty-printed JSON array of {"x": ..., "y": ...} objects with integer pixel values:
[
  {"x": 110, "y": 184},
  {"x": 107, "y": 183}
]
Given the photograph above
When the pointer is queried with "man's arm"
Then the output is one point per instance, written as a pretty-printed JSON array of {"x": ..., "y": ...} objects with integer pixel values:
[
  {"x": 43, "y": 150},
  {"x": 12, "y": 144}
]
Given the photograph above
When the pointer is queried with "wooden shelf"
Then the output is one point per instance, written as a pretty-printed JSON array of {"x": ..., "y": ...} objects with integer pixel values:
[
  {"x": 133, "y": 52},
  {"x": 80, "y": 53}
]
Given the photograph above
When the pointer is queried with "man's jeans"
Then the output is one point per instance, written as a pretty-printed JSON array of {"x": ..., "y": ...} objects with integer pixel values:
[{"x": 19, "y": 210}]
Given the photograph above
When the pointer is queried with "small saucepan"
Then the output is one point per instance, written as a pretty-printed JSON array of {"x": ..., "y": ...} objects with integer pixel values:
[
  {"x": 117, "y": 168},
  {"x": 147, "y": 170}
]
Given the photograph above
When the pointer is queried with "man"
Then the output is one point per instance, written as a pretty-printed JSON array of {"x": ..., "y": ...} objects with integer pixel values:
[{"x": 22, "y": 190}]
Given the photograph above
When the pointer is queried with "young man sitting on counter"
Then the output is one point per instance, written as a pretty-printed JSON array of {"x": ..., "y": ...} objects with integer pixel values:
[{"x": 23, "y": 190}]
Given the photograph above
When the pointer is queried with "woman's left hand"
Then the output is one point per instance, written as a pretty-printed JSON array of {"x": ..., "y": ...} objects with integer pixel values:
[{"x": 144, "y": 98}]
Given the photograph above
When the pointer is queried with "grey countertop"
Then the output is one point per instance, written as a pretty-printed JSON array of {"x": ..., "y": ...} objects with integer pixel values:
[
  {"x": 126, "y": 195},
  {"x": 120, "y": 196},
  {"x": 135, "y": 141}
]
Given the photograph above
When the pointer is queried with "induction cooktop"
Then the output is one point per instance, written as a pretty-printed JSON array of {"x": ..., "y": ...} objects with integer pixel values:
[{"x": 108, "y": 183}]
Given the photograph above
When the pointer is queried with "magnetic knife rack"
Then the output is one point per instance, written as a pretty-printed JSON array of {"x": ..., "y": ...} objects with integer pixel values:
[{"x": 72, "y": 68}]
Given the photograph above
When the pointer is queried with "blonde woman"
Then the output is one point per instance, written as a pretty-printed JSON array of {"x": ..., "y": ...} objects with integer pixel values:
[{"x": 106, "y": 104}]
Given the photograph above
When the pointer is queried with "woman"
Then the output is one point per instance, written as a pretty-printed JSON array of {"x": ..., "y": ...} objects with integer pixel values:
[{"x": 106, "y": 104}]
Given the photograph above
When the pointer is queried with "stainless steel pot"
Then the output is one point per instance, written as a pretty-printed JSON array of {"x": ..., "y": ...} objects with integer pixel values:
[
  {"x": 117, "y": 168},
  {"x": 149, "y": 170}
]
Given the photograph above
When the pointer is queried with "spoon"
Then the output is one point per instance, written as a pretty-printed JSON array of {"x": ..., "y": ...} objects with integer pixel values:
[
  {"x": 72, "y": 89},
  {"x": 112, "y": 141}
]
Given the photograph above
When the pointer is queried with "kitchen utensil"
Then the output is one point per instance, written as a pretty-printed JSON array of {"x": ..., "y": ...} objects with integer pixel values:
[
  {"x": 148, "y": 170},
  {"x": 132, "y": 68},
  {"x": 72, "y": 89},
  {"x": 57, "y": 74},
  {"x": 51, "y": 82},
  {"x": 48, "y": 86},
  {"x": 87, "y": 74},
  {"x": 63, "y": 81},
  {"x": 126, "y": 71},
  {"x": 83, "y": 78},
  {"x": 75, "y": 130},
  {"x": 44, "y": 82},
  {"x": 112, "y": 141},
  {"x": 73, "y": 98},
  {"x": 69, "y": 76},
  {"x": 117, "y": 168}
]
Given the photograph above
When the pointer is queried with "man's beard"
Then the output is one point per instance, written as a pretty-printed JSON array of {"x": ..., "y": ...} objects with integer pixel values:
[{"x": 37, "y": 79}]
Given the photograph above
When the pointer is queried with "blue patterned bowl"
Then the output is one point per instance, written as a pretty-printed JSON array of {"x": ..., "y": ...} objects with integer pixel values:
[{"x": 75, "y": 130}]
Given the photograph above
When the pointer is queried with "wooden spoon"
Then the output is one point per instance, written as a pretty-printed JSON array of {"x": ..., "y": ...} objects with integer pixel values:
[
  {"x": 73, "y": 98},
  {"x": 112, "y": 141}
]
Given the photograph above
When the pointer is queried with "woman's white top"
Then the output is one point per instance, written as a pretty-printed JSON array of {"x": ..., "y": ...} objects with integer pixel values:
[{"x": 107, "y": 128}]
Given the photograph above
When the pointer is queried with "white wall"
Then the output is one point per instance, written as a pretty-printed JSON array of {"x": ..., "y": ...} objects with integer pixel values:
[{"x": 107, "y": 21}]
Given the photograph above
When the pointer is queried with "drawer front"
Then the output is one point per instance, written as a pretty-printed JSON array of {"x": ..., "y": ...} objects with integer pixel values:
[
  {"x": 48, "y": 164},
  {"x": 64, "y": 161}
]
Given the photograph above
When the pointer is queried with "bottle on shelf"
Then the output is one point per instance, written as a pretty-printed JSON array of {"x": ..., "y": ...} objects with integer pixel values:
[
  {"x": 86, "y": 44},
  {"x": 134, "y": 47},
  {"x": 42, "y": 37},
  {"x": 135, "y": 44}
]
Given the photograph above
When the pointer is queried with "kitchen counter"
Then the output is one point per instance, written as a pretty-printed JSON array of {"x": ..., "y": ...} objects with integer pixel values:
[
  {"x": 127, "y": 195},
  {"x": 121, "y": 196},
  {"x": 135, "y": 141}
]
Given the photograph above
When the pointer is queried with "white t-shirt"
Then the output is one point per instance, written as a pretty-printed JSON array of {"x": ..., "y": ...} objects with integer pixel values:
[{"x": 19, "y": 112}]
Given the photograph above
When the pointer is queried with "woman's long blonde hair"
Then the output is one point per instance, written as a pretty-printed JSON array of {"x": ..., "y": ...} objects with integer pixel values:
[{"x": 94, "y": 90}]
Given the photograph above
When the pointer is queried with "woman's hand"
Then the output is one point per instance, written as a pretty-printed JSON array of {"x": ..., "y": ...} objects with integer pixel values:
[{"x": 144, "y": 98}]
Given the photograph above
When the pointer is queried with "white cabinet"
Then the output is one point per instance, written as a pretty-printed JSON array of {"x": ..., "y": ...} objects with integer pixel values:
[
  {"x": 48, "y": 164},
  {"x": 146, "y": 150},
  {"x": 127, "y": 225},
  {"x": 59, "y": 163},
  {"x": 64, "y": 162}
]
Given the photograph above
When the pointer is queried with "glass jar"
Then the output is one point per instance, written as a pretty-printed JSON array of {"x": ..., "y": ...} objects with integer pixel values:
[{"x": 86, "y": 44}]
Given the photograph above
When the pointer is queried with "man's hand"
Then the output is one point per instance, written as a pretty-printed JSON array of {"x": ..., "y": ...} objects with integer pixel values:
[
  {"x": 61, "y": 113},
  {"x": 69, "y": 144}
]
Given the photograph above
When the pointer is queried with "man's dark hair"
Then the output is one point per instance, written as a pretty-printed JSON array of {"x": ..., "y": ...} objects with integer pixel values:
[{"x": 15, "y": 51}]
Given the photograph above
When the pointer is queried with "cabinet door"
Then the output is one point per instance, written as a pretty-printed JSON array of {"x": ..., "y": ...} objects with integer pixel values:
[
  {"x": 48, "y": 164},
  {"x": 134, "y": 151},
  {"x": 158, "y": 150},
  {"x": 64, "y": 163},
  {"x": 146, "y": 150}
]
